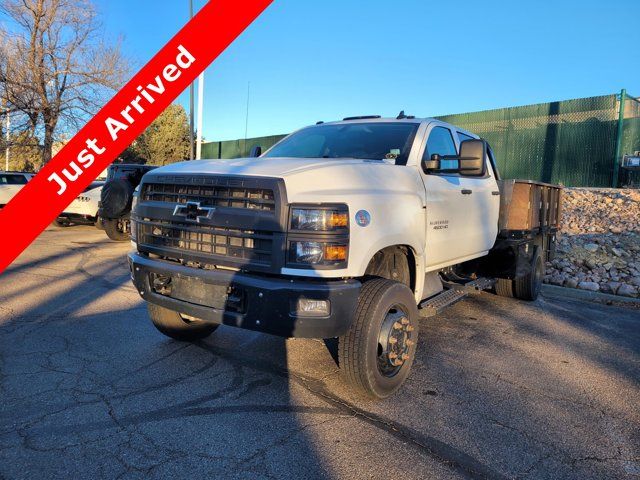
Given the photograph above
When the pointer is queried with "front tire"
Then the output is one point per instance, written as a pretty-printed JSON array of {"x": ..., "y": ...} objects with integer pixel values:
[
  {"x": 174, "y": 325},
  {"x": 116, "y": 229},
  {"x": 377, "y": 352}
]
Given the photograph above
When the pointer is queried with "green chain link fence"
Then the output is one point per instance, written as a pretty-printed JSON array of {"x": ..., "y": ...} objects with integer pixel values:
[
  {"x": 630, "y": 141},
  {"x": 238, "y": 148},
  {"x": 576, "y": 142}
]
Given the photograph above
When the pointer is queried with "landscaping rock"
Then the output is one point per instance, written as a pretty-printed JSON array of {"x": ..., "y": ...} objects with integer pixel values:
[
  {"x": 591, "y": 247},
  {"x": 627, "y": 291},
  {"x": 599, "y": 242},
  {"x": 592, "y": 286}
]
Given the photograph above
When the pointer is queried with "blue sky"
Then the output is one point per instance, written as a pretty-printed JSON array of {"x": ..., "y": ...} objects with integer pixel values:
[{"x": 309, "y": 61}]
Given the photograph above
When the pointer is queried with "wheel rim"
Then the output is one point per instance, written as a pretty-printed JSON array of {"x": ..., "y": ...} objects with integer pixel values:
[
  {"x": 394, "y": 341},
  {"x": 122, "y": 226}
]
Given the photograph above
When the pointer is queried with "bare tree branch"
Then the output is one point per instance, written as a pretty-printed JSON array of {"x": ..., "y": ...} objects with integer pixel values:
[{"x": 56, "y": 69}]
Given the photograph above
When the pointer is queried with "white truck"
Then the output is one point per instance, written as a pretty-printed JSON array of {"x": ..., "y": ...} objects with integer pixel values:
[{"x": 351, "y": 229}]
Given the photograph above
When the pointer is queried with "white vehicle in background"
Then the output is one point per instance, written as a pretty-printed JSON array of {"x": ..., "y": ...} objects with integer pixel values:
[
  {"x": 84, "y": 209},
  {"x": 11, "y": 183}
]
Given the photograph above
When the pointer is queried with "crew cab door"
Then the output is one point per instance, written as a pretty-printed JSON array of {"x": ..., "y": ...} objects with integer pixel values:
[{"x": 462, "y": 219}]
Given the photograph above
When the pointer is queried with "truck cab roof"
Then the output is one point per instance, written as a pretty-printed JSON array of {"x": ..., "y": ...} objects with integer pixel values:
[{"x": 407, "y": 119}]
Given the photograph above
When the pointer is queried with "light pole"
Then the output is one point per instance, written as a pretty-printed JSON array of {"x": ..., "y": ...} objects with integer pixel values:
[
  {"x": 7, "y": 138},
  {"x": 200, "y": 106},
  {"x": 190, "y": 99}
]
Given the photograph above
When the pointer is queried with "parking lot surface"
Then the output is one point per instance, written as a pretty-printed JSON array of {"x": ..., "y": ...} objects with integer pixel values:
[{"x": 500, "y": 388}]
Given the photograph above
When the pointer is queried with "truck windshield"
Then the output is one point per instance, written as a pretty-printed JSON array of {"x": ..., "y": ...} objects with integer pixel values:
[{"x": 370, "y": 141}]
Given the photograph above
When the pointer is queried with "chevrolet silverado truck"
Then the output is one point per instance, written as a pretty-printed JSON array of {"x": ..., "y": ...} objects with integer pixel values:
[{"x": 352, "y": 229}]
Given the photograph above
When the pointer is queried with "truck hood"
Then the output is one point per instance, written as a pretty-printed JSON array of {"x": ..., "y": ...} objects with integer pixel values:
[
  {"x": 279, "y": 167},
  {"x": 313, "y": 179}
]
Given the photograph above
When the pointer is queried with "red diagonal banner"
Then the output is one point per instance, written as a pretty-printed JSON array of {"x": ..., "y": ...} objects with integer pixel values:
[{"x": 121, "y": 120}]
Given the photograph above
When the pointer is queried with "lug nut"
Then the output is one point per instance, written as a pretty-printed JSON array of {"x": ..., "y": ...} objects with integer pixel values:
[
  {"x": 397, "y": 326},
  {"x": 410, "y": 328},
  {"x": 404, "y": 321},
  {"x": 397, "y": 363},
  {"x": 393, "y": 355},
  {"x": 393, "y": 340},
  {"x": 410, "y": 343},
  {"x": 405, "y": 356}
]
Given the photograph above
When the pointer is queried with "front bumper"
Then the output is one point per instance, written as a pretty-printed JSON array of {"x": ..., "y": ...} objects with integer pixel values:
[{"x": 262, "y": 303}]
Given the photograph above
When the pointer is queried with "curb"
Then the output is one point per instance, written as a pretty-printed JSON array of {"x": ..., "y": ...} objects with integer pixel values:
[{"x": 554, "y": 291}]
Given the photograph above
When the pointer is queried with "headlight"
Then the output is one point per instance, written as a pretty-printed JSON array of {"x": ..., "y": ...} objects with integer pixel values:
[
  {"x": 134, "y": 199},
  {"x": 318, "y": 253},
  {"x": 134, "y": 229},
  {"x": 320, "y": 219}
]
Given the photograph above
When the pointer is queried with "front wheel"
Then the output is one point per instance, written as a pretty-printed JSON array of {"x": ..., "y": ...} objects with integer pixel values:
[
  {"x": 116, "y": 229},
  {"x": 178, "y": 326},
  {"x": 377, "y": 352}
]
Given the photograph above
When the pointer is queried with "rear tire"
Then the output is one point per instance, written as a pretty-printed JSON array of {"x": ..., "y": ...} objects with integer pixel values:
[
  {"x": 173, "y": 325},
  {"x": 377, "y": 352},
  {"x": 116, "y": 229},
  {"x": 527, "y": 287},
  {"x": 504, "y": 287}
]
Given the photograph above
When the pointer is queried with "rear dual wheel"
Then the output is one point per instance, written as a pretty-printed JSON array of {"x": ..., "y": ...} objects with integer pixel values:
[
  {"x": 377, "y": 352},
  {"x": 525, "y": 287}
]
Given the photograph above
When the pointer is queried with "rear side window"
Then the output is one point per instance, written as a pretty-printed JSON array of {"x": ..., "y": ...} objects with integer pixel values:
[
  {"x": 13, "y": 179},
  {"x": 464, "y": 136},
  {"x": 440, "y": 141}
]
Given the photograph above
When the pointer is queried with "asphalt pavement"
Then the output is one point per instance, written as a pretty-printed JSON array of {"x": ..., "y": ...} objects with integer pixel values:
[{"x": 500, "y": 388}]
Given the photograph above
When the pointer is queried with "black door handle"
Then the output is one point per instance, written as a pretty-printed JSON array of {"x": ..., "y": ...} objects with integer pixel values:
[
  {"x": 466, "y": 192},
  {"x": 495, "y": 193}
]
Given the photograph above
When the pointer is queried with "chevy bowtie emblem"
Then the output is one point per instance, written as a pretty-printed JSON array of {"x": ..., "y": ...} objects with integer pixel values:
[{"x": 193, "y": 211}]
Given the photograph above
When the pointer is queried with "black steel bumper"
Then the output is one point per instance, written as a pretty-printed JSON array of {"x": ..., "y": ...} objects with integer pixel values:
[{"x": 255, "y": 302}]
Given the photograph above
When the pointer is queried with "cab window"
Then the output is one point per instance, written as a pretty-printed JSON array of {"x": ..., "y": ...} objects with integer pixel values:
[
  {"x": 440, "y": 141},
  {"x": 464, "y": 136}
]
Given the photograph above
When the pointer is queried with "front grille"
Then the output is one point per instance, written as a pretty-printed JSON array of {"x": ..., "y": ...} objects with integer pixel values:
[
  {"x": 211, "y": 196},
  {"x": 240, "y": 244}
]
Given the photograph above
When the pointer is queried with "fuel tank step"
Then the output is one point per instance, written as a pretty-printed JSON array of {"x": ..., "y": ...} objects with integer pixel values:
[
  {"x": 473, "y": 287},
  {"x": 435, "y": 305}
]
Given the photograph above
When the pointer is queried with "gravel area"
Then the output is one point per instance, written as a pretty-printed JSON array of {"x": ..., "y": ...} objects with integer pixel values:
[{"x": 599, "y": 244}]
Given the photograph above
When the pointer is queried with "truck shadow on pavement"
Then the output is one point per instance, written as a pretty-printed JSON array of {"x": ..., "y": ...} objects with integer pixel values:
[
  {"x": 90, "y": 390},
  {"x": 96, "y": 391}
]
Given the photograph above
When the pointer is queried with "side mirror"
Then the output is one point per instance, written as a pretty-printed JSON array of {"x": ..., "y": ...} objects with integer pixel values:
[
  {"x": 472, "y": 157},
  {"x": 255, "y": 151},
  {"x": 432, "y": 164}
]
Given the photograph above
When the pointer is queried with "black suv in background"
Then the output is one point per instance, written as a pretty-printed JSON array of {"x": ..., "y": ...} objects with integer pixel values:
[{"x": 116, "y": 197}]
